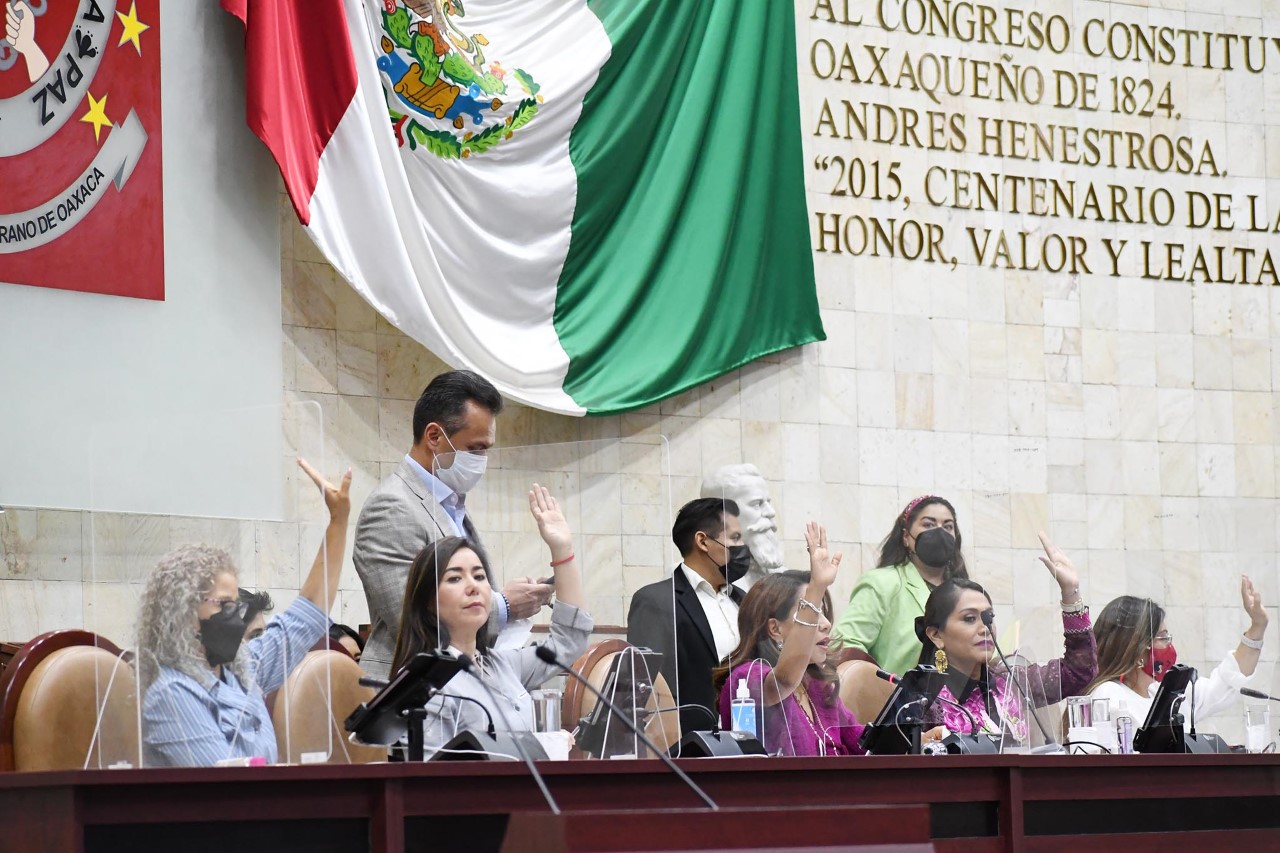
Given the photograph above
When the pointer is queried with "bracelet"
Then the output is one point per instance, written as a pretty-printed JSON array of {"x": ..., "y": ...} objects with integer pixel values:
[
  {"x": 1256, "y": 645},
  {"x": 567, "y": 559},
  {"x": 800, "y": 621},
  {"x": 809, "y": 605},
  {"x": 1077, "y": 606}
]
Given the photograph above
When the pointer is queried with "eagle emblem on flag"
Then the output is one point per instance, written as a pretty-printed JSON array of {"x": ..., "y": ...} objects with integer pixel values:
[{"x": 443, "y": 93}]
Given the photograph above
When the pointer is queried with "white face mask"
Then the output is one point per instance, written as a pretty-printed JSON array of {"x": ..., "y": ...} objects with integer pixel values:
[{"x": 465, "y": 472}]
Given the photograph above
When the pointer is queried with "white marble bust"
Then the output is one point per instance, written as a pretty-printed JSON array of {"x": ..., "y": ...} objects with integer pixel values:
[{"x": 744, "y": 485}]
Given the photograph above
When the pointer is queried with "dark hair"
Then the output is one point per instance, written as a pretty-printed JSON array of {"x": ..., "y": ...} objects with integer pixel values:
[
  {"x": 774, "y": 597},
  {"x": 444, "y": 401},
  {"x": 704, "y": 515},
  {"x": 893, "y": 551},
  {"x": 337, "y": 631},
  {"x": 256, "y": 601},
  {"x": 1124, "y": 631},
  {"x": 938, "y": 609},
  {"x": 420, "y": 628}
]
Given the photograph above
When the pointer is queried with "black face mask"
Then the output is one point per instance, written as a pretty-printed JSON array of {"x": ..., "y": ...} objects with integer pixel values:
[
  {"x": 936, "y": 547},
  {"x": 221, "y": 634},
  {"x": 738, "y": 564}
]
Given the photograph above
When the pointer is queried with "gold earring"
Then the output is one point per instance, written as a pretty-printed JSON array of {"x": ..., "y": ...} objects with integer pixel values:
[{"x": 940, "y": 660}]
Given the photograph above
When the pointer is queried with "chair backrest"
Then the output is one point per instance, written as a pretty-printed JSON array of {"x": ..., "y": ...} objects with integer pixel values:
[
  {"x": 68, "y": 700},
  {"x": 320, "y": 694},
  {"x": 7, "y": 653},
  {"x": 663, "y": 727},
  {"x": 862, "y": 691}
]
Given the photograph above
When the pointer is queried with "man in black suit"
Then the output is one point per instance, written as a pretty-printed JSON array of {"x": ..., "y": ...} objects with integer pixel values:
[{"x": 692, "y": 617}]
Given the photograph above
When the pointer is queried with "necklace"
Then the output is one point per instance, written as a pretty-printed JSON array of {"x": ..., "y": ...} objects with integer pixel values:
[{"x": 824, "y": 740}]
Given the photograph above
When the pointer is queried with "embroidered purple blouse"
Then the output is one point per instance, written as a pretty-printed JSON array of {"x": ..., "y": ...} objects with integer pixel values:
[
  {"x": 787, "y": 729},
  {"x": 1045, "y": 683}
]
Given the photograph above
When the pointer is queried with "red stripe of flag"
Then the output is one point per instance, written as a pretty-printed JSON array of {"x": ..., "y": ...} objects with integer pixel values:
[{"x": 300, "y": 79}]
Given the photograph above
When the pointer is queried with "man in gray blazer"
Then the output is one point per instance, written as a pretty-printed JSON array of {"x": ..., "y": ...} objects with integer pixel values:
[{"x": 423, "y": 500}]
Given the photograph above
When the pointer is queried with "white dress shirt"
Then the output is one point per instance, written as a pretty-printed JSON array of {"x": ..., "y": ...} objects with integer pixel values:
[
  {"x": 454, "y": 504},
  {"x": 721, "y": 610}
]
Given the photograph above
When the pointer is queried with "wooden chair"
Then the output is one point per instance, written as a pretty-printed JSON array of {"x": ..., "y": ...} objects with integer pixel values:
[
  {"x": 320, "y": 694},
  {"x": 663, "y": 727},
  {"x": 68, "y": 700},
  {"x": 7, "y": 652},
  {"x": 862, "y": 691}
]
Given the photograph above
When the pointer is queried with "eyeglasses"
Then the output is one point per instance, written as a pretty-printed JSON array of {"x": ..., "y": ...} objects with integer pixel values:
[
  {"x": 229, "y": 606},
  {"x": 1164, "y": 637}
]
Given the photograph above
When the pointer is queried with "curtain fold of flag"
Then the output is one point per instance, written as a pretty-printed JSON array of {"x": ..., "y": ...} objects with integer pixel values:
[{"x": 595, "y": 204}]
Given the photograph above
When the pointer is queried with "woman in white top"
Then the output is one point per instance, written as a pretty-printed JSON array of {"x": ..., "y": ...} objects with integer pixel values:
[
  {"x": 1135, "y": 650},
  {"x": 446, "y": 606}
]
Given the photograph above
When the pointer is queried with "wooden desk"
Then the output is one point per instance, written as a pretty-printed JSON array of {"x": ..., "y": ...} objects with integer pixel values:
[{"x": 979, "y": 803}]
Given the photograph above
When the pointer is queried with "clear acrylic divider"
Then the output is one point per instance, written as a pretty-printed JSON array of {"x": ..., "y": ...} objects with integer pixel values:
[
  {"x": 208, "y": 680},
  {"x": 1025, "y": 694},
  {"x": 1047, "y": 663},
  {"x": 797, "y": 710},
  {"x": 707, "y": 593},
  {"x": 610, "y": 500},
  {"x": 629, "y": 682},
  {"x": 752, "y": 693},
  {"x": 25, "y": 613},
  {"x": 1216, "y": 633},
  {"x": 1153, "y": 632}
]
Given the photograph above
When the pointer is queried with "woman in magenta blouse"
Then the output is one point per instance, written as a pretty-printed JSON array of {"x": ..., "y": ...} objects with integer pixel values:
[
  {"x": 784, "y": 624},
  {"x": 956, "y": 636}
]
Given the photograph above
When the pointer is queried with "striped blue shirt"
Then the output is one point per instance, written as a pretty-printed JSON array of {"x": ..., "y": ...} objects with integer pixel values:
[{"x": 188, "y": 724}]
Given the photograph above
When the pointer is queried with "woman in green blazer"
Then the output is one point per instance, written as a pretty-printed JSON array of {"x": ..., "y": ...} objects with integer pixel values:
[{"x": 920, "y": 552}]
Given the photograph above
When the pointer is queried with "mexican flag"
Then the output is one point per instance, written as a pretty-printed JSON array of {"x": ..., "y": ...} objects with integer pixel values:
[{"x": 594, "y": 203}]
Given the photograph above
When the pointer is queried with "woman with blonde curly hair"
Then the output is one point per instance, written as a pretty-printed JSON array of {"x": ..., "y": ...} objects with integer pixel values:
[{"x": 202, "y": 687}]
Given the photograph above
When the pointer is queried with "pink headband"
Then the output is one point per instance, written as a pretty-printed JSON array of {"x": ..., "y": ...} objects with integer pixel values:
[{"x": 906, "y": 513}]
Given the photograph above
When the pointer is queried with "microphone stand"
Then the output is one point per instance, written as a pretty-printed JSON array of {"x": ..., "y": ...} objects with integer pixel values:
[
  {"x": 548, "y": 655},
  {"x": 415, "y": 717},
  {"x": 987, "y": 618},
  {"x": 470, "y": 667}
]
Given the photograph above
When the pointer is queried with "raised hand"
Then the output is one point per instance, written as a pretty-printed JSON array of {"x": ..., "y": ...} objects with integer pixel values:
[
  {"x": 20, "y": 27},
  {"x": 552, "y": 526},
  {"x": 822, "y": 563},
  {"x": 336, "y": 498},
  {"x": 1063, "y": 570},
  {"x": 20, "y": 31},
  {"x": 1252, "y": 601}
]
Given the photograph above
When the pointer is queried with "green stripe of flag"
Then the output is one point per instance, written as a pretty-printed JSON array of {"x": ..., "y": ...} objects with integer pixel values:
[{"x": 690, "y": 252}]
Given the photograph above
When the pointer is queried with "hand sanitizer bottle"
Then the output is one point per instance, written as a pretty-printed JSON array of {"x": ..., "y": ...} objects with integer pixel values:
[{"x": 744, "y": 711}]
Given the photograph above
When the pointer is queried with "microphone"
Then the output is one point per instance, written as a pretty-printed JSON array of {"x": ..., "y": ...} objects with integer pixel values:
[
  {"x": 1256, "y": 694},
  {"x": 887, "y": 676},
  {"x": 469, "y": 666},
  {"x": 987, "y": 618},
  {"x": 547, "y": 655}
]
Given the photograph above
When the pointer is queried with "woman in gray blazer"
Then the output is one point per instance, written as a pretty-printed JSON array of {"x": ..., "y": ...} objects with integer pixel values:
[{"x": 446, "y": 606}]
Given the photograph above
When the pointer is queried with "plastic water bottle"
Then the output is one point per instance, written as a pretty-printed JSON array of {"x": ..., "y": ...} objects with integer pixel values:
[{"x": 743, "y": 714}]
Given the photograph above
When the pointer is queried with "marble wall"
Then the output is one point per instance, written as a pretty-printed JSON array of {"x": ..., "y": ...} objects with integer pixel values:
[{"x": 1133, "y": 420}]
